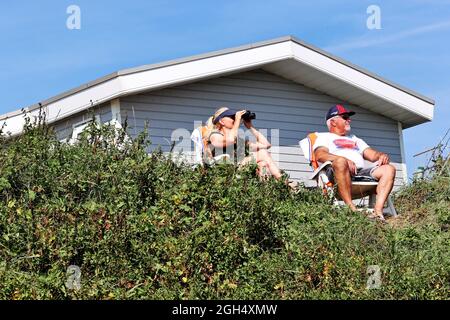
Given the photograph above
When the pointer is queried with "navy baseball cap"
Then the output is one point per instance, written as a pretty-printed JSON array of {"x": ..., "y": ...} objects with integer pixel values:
[
  {"x": 227, "y": 113},
  {"x": 338, "y": 110}
]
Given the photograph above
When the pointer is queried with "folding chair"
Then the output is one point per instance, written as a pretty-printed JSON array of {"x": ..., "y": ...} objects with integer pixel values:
[
  {"x": 201, "y": 153},
  {"x": 361, "y": 186}
]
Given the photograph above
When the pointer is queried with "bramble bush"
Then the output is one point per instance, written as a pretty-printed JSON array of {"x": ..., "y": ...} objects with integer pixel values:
[{"x": 142, "y": 226}]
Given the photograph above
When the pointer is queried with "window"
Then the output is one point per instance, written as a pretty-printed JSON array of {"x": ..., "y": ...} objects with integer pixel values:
[{"x": 78, "y": 128}]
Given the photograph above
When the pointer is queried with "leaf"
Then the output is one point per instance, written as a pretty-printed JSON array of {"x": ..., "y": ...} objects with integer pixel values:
[
  {"x": 187, "y": 209},
  {"x": 4, "y": 184},
  {"x": 31, "y": 195},
  {"x": 28, "y": 214},
  {"x": 11, "y": 203}
]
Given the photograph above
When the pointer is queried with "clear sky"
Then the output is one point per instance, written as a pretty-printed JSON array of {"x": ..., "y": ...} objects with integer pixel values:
[{"x": 40, "y": 57}]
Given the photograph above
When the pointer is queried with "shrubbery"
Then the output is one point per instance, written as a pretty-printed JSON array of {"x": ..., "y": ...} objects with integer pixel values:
[{"x": 142, "y": 226}]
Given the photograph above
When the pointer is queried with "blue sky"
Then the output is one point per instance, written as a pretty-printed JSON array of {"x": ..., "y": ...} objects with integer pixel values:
[{"x": 40, "y": 57}]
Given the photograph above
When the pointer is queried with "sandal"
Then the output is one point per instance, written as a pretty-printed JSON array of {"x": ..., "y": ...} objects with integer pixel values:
[
  {"x": 374, "y": 216},
  {"x": 293, "y": 185}
]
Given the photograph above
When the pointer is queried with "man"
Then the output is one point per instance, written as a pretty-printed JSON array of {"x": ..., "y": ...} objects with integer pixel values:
[{"x": 347, "y": 154}]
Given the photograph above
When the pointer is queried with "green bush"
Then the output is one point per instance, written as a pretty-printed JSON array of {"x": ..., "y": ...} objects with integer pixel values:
[{"x": 141, "y": 226}]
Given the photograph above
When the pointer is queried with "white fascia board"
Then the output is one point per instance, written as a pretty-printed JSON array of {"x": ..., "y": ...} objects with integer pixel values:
[
  {"x": 204, "y": 68},
  {"x": 13, "y": 125},
  {"x": 68, "y": 105},
  {"x": 157, "y": 78},
  {"x": 98, "y": 94},
  {"x": 363, "y": 81},
  {"x": 201, "y": 68}
]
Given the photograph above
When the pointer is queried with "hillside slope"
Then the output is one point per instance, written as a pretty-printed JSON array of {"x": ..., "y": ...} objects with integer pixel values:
[{"x": 143, "y": 227}]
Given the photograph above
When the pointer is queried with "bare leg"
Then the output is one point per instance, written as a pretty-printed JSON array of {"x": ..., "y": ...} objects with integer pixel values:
[
  {"x": 385, "y": 176},
  {"x": 343, "y": 180},
  {"x": 263, "y": 159},
  {"x": 262, "y": 169}
]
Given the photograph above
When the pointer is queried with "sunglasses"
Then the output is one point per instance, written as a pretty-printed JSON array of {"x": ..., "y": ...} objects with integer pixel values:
[{"x": 345, "y": 117}]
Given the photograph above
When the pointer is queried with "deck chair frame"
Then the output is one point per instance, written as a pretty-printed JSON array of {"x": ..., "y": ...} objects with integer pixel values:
[{"x": 200, "y": 153}]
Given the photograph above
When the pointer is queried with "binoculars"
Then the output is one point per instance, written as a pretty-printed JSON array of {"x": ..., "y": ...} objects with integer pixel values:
[{"x": 248, "y": 115}]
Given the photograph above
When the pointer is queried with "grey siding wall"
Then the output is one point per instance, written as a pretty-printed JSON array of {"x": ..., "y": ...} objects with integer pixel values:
[
  {"x": 64, "y": 128},
  {"x": 281, "y": 106}
]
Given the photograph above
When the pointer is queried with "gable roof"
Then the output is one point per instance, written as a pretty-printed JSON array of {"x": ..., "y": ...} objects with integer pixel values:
[{"x": 287, "y": 57}]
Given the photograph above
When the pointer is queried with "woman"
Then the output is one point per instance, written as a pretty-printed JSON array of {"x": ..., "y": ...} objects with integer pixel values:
[{"x": 222, "y": 135}]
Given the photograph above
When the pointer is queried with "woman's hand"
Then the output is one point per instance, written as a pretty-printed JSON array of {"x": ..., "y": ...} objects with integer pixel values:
[{"x": 238, "y": 116}]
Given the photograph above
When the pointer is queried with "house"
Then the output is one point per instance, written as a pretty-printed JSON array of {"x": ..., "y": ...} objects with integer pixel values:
[{"x": 288, "y": 84}]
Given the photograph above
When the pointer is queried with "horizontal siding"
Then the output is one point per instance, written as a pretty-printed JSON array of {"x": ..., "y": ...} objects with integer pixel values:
[
  {"x": 189, "y": 98},
  {"x": 292, "y": 109},
  {"x": 160, "y": 119},
  {"x": 160, "y": 135},
  {"x": 194, "y": 98},
  {"x": 288, "y": 121}
]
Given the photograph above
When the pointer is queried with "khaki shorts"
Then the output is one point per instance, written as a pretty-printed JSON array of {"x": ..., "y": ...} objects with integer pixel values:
[{"x": 361, "y": 174}]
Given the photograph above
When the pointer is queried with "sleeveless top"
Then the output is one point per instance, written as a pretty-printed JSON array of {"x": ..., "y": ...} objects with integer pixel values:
[{"x": 237, "y": 151}]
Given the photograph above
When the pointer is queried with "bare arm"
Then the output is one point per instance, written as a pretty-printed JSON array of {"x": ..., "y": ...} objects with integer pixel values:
[
  {"x": 220, "y": 141},
  {"x": 322, "y": 155},
  {"x": 261, "y": 140},
  {"x": 374, "y": 155}
]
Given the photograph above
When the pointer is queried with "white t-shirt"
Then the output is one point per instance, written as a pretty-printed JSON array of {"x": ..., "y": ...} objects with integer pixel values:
[{"x": 350, "y": 147}]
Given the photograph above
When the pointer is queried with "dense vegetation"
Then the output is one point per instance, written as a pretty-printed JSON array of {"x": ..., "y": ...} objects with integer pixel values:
[{"x": 145, "y": 227}]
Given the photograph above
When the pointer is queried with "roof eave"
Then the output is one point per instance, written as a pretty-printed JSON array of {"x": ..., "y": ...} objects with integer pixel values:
[{"x": 117, "y": 77}]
